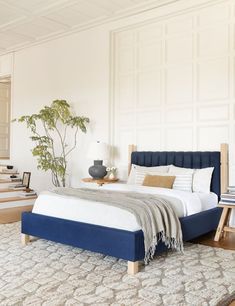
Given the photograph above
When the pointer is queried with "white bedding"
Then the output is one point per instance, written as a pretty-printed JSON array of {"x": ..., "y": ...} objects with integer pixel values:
[
  {"x": 208, "y": 200},
  {"x": 72, "y": 208}
]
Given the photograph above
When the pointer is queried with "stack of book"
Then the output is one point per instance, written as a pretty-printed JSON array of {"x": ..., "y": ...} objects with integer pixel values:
[
  {"x": 228, "y": 197},
  {"x": 16, "y": 179},
  {"x": 8, "y": 174},
  {"x": 26, "y": 194},
  {"x": 9, "y": 184}
]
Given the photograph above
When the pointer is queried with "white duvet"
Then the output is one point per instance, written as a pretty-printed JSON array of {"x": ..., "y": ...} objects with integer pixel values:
[{"x": 71, "y": 208}]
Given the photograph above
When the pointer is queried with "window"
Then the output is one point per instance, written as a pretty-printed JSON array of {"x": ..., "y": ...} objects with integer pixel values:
[{"x": 5, "y": 103}]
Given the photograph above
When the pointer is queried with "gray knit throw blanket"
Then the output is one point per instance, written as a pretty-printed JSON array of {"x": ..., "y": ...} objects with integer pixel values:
[{"x": 153, "y": 213}]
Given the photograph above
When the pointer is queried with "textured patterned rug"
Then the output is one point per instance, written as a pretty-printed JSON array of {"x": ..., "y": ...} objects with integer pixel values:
[{"x": 46, "y": 273}]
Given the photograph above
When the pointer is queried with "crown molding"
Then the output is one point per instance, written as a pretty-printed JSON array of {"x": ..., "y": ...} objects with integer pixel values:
[{"x": 133, "y": 11}]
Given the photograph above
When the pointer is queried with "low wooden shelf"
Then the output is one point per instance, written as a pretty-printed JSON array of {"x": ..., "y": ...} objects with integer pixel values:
[
  {"x": 223, "y": 226},
  {"x": 9, "y": 173},
  {"x": 13, "y": 214},
  {"x": 2, "y": 181},
  {"x": 3, "y": 190},
  {"x": 16, "y": 199},
  {"x": 9, "y": 181},
  {"x": 12, "y": 204}
]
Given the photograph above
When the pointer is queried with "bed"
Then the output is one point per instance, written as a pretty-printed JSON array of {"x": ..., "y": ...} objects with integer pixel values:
[{"x": 123, "y": 243}]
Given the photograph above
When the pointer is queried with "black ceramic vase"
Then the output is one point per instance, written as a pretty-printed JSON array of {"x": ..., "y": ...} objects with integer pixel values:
[{"x": 97, "y": 171}]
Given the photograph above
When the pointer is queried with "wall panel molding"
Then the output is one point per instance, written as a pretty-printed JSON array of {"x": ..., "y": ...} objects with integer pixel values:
[{"x": 182, "y": 81}]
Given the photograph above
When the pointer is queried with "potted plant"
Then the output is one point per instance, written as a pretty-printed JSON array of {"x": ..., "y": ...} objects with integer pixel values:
[{"x": 49, "y": 129}]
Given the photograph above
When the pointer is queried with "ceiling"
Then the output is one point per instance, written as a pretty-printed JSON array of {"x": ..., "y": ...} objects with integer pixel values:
[{"x": 27, "y": 22}]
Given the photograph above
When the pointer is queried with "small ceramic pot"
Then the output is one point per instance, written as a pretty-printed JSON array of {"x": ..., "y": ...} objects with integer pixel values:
[
  {"x": 97, "y": 171},
  {"x": 112, "y": 176}
]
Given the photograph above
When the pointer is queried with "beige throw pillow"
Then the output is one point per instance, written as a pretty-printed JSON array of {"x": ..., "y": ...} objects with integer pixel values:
[{"x": 163, "y": 181}]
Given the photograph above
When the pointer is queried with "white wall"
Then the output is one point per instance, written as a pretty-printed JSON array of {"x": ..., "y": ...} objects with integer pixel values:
[
  {"x": 174, "y": 82},
  {"x": 76, "y": 68},
  {"x": 67, "y": 69}
]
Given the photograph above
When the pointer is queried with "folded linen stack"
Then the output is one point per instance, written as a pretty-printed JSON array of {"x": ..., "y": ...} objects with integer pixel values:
[
  {"x": 26, "y": 194},
  {"x": 228, "y": 197}
]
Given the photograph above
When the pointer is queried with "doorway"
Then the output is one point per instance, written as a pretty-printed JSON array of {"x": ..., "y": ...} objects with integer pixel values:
[{"x": 5, "y": 109}]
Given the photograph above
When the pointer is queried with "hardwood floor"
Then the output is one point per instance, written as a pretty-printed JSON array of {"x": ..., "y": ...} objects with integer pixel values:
[{"x": 228, "y": 242}]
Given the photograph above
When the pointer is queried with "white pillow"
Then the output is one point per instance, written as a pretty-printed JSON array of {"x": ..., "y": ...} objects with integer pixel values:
[
  {"x": 183, "y": 182},
  {"x": 202, "y": 179},
  {"x": 184, "y": 178},
  {"x": 179, "y": 170},
  {"x": 144, "y": 170}
]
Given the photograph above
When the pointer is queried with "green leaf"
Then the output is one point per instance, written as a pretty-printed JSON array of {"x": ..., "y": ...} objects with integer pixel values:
[{"x": 54, "y": 118}]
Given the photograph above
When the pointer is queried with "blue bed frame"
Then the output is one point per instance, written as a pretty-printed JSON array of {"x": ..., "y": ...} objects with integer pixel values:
[{"x": 121, "y": 243}]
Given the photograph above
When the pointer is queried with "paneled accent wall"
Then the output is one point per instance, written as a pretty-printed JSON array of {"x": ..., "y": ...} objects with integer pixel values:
[{"x": 173, "y": 84}]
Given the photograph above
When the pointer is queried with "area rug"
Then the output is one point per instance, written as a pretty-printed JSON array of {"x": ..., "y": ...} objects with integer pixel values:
[{"x": 47, "y": 273}]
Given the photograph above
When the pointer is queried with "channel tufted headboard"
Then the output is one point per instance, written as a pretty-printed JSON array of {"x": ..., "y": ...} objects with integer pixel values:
[{"x": 195, "y": 160}]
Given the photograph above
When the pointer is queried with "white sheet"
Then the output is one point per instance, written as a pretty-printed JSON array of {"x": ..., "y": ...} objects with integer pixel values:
[
  {"x": 208, "y": 200},
  {"x": 72, "y": 208},
  {"x": 185, "y": 203}
]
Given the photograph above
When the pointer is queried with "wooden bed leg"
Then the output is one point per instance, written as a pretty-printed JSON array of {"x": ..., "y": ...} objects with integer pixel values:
[
  {"x": 132, "y": 267},
  {"x": 25, "y": 239}
]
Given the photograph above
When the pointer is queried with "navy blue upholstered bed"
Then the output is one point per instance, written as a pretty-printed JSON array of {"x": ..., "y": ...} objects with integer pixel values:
[{"x": 125, "y": 244}]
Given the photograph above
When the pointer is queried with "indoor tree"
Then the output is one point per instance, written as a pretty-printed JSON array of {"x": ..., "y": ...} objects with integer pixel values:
[{"x": 50, "y": 128}]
